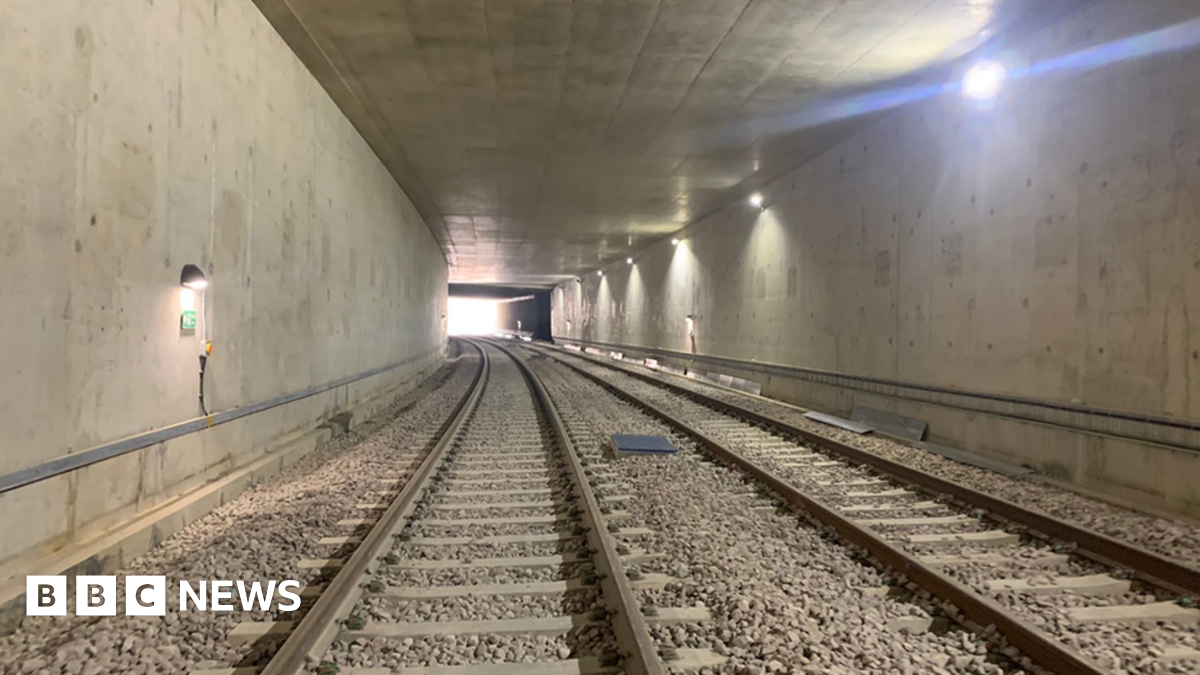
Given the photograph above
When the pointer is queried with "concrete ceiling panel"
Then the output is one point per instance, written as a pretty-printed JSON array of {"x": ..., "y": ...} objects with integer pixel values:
[
  {"x": 544, "y": 25},
  {"x": 527, "y": 69},
  {"x": 541, "y": 138},
  {"x": 691, "y": 27},
  {"x": 611, "y": 27},
  {"x": 462, "y": 21}
]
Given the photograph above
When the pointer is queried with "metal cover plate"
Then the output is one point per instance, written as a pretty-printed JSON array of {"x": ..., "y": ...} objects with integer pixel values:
[
  {"x": 631, "y": 443},
  {"x": 908, "y": 428},
  {"x": 839, "y": 422}
]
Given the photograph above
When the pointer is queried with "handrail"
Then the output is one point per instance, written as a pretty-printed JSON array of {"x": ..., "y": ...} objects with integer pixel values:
[
  {"x": 870, "y": 385},
  {"x": 73, "y": 462}
]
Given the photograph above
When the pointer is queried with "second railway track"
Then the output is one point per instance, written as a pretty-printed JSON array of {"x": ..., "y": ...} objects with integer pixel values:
[{"x": 1055, "y": 592}]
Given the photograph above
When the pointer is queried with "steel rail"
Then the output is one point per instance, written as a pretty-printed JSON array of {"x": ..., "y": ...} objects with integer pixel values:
[
  {"x": 318, "y": 629},
  {"x": 1152, "y": 568},
  {"x": 629, "y": 625},
  {"x": 1037, "y": 645}
]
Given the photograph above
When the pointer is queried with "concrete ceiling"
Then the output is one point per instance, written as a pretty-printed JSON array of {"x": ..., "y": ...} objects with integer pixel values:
[{"x": 542, "y": 138}]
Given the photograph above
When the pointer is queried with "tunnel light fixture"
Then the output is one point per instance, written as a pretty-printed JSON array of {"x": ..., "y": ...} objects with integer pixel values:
[
  {"x": 982, "y": 81},
  {"x": 193, "y": 277},
  {"x": 674, "y": 241},
  {"x": 756, "y": 200},
  {"x": 629, "y": 261},
  {"x": 599, "y": 273}
]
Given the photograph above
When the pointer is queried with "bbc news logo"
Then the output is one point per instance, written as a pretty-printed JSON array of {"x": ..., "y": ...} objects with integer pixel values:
[{"x": 147, "y": 596}]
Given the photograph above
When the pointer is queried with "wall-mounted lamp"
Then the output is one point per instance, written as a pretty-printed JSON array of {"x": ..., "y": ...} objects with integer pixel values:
[
  {"x": 193, "y": 277},
  {"x": 578, "y": 280},
  {"x": 756, "y": 200},
  {"x": 629, "y": 260},
  {"x": 599, "y": 273},
  {"x": 674, "y": 242}
]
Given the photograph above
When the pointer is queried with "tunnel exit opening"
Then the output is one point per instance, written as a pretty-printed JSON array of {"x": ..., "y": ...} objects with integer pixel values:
[
  {"x": 473, "y": 316},
  {"x": 487, "y": 309}
]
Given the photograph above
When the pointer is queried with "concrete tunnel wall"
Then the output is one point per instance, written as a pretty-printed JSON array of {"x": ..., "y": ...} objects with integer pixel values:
[
  {"x": 1045, "y": 248},
  {"x": 138, "y": 137}
]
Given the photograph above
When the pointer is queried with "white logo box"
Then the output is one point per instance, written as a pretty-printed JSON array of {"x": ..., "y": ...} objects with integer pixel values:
[{"x": 146, "y": 595}]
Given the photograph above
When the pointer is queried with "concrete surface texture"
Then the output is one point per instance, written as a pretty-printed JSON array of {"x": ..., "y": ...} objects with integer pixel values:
[
  {"x": 1046, "y": 247},
  {"x": 539, "y": 137},
  {"x": 139, "y": 137}
]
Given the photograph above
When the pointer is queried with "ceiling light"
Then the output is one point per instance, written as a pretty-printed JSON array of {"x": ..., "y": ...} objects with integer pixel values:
[
  {"x": 756, "y": 200},
  {"x": 982, "y": 82},
  {"x": 193, "y": 277}
]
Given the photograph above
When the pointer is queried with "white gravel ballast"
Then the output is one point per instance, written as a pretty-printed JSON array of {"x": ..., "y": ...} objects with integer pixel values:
[{"x": 261, "y": 535}]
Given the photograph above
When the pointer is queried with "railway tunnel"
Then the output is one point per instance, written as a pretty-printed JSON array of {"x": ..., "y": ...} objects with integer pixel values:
[{"x": 585, "y": 337}]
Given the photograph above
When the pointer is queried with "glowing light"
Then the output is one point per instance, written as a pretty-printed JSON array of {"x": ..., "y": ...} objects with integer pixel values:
[
  {"x": 472, "y": 316},
  {"x": 674, "y": 242},
  {"x": 629, "y": 261},
  {"x": 1179, "y": 37},
  {"x": 187, "y": 299},
  {"x": 193, "y": 277},
  {"x": 756, "y": 200},
  {"x": 982, "y": 82},
  {"x": 599, "y": 273}
]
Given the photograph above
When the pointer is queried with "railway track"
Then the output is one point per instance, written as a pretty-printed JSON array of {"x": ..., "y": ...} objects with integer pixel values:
[
  {"x": 1065, "y": 598},
  {"x": 495, "y": 557}
]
